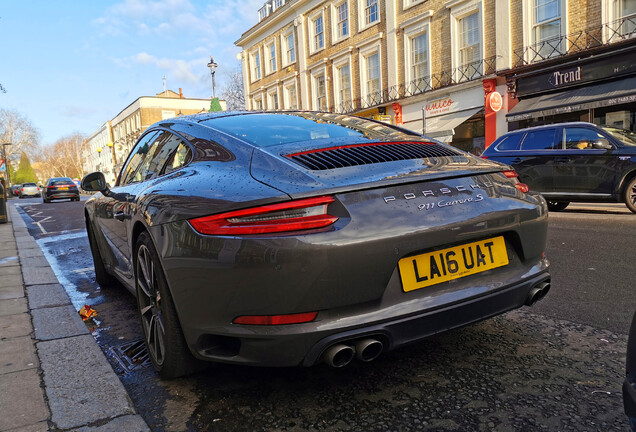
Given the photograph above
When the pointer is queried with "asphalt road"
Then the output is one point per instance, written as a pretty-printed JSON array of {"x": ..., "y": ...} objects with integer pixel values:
[{"x": 557, "y": 366}]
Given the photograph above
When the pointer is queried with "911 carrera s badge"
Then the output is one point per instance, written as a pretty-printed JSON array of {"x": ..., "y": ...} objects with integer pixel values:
[
  {"x": 446, "y": 191},
  {"x": 450, "y": 203}
]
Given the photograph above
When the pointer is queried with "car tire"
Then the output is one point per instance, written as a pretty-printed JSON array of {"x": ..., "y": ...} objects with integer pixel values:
[
  {"x": 557, "y": 206},
  {"x": 629, "y": 195},
  {"x": 103, "y": 278},
  {"x": 162, "y": 332}
]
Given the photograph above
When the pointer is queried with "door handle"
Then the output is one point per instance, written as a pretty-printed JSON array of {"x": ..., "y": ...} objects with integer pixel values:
[{"x": 120, "y": 216}]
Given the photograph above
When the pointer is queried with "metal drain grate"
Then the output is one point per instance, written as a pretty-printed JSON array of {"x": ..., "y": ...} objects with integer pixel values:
[{"x": 131, "y": 356}]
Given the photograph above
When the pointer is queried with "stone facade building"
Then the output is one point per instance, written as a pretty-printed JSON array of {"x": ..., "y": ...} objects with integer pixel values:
[
  {"x": 109, "y": 146},
  {"x": 428, "y": 65}
]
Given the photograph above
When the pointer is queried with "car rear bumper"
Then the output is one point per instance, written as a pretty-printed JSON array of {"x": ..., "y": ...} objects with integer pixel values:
[
  {"x": 306, "y": 344},
  {"x": 61, "y": 195}
]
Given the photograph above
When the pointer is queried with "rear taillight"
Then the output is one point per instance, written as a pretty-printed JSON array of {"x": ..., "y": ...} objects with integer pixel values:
[
  {"x": 275, "y": 319},
  {"x": 520, "y": 186},
  {"x": 274, "y": 218},
  {"x": 483, "y": 157}
]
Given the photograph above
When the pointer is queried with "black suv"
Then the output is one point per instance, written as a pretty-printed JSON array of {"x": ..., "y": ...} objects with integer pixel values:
[{"x": 572, "y": 162}]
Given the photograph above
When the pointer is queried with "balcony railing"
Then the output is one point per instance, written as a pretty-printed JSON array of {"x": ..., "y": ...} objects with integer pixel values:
[
  {"x": 621, "y": 29},
  {"x": 469, "y": 72}
]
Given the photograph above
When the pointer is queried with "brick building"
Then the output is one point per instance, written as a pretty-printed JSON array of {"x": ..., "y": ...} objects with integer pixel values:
[
  {"x": 429, "y": 65},
  {"x": 572, "y": 61}
]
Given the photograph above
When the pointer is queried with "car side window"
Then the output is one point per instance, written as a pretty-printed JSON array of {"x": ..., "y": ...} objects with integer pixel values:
[
  {"x": 178, "y": 158},
  {"x": 157, "y": 154},
  {"x": 137, "y": 156},
  {"x": 578, "y": 138},
  {"x": 511, "y": 142},
  {"x": 540, "y": 140},
  {"x": 164, "y": 152}
]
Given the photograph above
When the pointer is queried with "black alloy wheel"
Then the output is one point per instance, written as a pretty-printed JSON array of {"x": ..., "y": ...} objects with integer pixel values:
[
  {"x": 162, "y": 332},
  {"x": 557, "y": 205},
  {"x": 630, "y": 195}
]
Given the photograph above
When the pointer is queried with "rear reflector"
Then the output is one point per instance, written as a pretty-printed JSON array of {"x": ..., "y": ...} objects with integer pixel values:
[
  {"x": 274, "y": 218},
  {"x": 275, "y": 319}
]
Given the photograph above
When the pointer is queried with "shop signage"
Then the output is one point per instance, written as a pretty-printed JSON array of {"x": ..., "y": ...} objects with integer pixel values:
[
  {"x": 582, "y": 72},
  {"x": 439, "y": 106},
  {"x": 571, "y": 76},
  {"x": 397, "y": 111},
  {"x": 494, "y": 101}
]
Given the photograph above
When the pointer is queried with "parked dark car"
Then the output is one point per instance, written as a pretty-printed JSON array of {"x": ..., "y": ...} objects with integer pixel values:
[
  {"x": 60, "y": 188},
  {"x": 15, "y": 190},
  {"x": 283, "y": 239},
  {"x": 572, "y": 162},
  {"x": 629, "y": 385}
]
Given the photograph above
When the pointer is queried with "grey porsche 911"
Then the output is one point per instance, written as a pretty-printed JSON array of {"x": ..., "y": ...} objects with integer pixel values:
[{"x": 294, "y": 238}]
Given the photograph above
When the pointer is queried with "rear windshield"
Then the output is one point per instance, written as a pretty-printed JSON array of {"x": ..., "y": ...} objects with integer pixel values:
[
  {"x": 264, "y": 130},
  {"x": 59, "y": 181},
  {"x": 624, "y": 136},
  {"x": 29, "y": 184}
]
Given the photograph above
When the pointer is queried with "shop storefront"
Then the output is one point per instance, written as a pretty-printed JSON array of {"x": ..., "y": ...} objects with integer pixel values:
[
  {"x": 600, "y": 89},
  {"x": 457, "y": 118}
]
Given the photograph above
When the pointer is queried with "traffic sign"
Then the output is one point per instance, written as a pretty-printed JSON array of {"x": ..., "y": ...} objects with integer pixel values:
[{"x": 2, "y": 165}]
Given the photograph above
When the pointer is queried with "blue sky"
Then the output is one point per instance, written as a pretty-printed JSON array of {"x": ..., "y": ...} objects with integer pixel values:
[{"x": 69, "y": 66}]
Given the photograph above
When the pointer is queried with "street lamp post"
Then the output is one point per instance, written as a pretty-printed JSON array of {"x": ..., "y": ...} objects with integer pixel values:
[
  {"x": 6, "y": 162},
  {"x": 213, "y": 67}
]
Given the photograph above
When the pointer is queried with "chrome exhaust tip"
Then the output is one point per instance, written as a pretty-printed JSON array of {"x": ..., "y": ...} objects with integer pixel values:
[
  {"x": 338, "y": 355},
  {"x": 368, "y": 349}
]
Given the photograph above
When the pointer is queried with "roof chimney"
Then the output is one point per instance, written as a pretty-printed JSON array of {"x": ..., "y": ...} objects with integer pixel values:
[{"x": 180, "y": 93}]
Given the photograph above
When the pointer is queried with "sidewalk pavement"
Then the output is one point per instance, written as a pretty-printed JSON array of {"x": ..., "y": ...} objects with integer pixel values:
[{"x": 53, "y": 375}]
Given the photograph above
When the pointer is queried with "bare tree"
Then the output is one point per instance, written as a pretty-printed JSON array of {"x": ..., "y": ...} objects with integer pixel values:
[
  {"x": 45, "y": 163},
  {"x": 18, "y": 130},
  {"x": 233, "y": 90},
  {"x": 63, "y": 158}
]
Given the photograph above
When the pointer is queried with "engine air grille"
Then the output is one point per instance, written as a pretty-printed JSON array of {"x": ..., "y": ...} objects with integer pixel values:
[{"x": 363, "y": 154}]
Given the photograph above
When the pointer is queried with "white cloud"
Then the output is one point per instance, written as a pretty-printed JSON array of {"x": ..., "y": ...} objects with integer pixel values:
[
  {"x": 179, "y": 70},
  {"x": 176, "y": 17}
]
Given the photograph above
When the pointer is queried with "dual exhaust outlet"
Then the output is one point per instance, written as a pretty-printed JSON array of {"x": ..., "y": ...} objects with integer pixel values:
[
  {"x": 342, "y": 354},
  {"x": 537, "y": 292},
  {"x": 366, "y": 350}
]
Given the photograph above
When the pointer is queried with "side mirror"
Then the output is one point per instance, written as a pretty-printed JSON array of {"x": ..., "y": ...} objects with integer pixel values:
[
  {"x": 602, "y": 143},
  {"x": 95, "y": 182}
]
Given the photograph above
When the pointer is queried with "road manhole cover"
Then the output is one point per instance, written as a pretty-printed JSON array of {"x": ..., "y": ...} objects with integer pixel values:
[{"x": 131, "y": 356}]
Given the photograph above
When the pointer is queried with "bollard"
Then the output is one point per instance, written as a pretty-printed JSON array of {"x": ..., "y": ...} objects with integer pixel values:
[{"x": 3, "y": 203}]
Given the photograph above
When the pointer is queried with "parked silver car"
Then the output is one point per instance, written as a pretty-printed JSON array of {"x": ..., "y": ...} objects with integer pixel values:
[{"x": 29, "y": 190}]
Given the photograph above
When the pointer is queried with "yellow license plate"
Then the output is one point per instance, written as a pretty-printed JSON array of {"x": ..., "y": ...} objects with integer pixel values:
[
  {"x": 62, "y": 188},
  {"x": 453, "y": 263}
]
